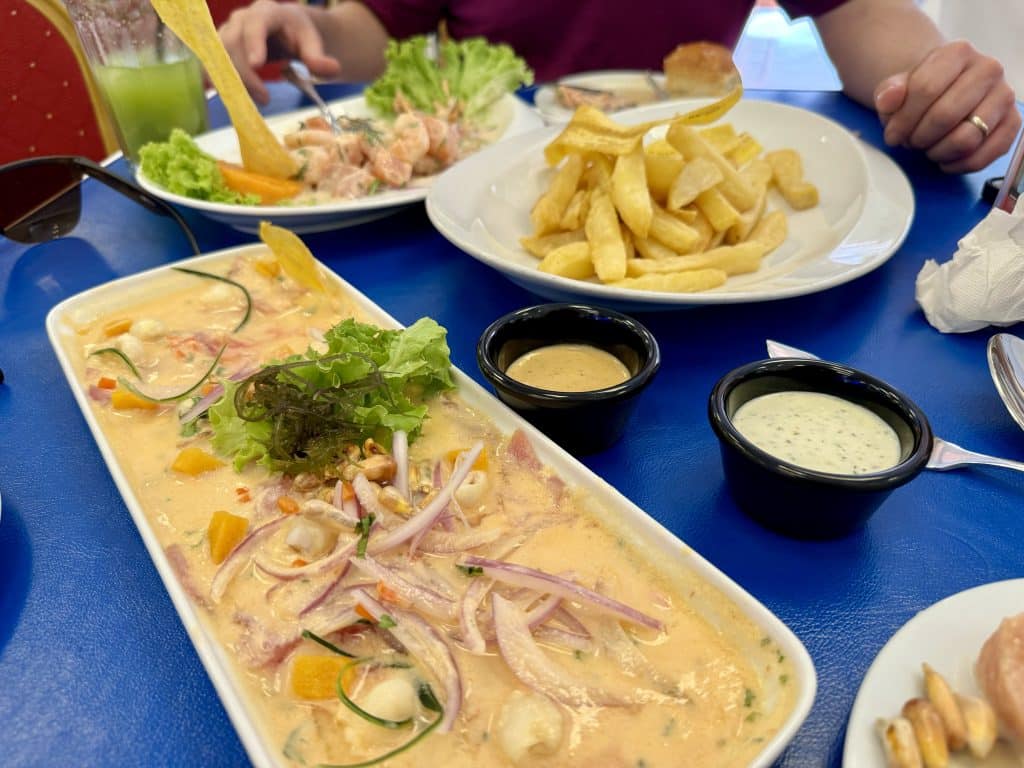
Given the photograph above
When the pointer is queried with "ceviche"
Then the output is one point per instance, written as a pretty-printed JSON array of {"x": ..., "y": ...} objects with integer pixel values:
[
  {"x": 423, "y": 114},
  {"x": 393, "y": 577}
]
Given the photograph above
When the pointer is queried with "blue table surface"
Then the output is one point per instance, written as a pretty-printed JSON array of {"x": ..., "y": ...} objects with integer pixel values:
[{"x": 95, "y": 667}]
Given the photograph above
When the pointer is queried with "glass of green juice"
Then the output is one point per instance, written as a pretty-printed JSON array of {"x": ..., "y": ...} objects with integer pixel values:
[{"x": 149, "y": 81}]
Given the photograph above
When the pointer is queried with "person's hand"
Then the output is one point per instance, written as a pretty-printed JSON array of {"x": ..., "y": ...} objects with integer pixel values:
[
  {"x": 955, "y": 105},
  {"x": 279, "y": 30}
]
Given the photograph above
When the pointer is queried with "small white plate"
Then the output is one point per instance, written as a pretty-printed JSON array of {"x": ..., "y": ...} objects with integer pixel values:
[
  {"x": 948, "y": 636},
  {"x": 511, "y": 112},
  {"x": 619, "y": 81},
  {"x": 866, "y": 206}
]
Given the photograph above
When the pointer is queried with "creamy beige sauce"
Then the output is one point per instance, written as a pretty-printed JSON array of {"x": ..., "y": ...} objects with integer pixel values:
[
  {"x": 568, "y": 368},
  {"x": 820, "y": 432},
  {"x": 709, "y": 686}
]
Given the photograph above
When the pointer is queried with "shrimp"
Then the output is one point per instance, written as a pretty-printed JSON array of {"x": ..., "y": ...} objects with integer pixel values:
[
  {"x": 411, "y": 140},
  {"x": 389, "y": 168},
  {"x": 309, "y": 137},
  {"x": 350, "y": 148},
  {"x": 446, "y": 150},
  {"x": 347, "y": 182}
]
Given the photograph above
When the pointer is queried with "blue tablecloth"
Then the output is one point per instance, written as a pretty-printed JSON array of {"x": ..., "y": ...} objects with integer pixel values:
[{"x": 95, "y": 668}]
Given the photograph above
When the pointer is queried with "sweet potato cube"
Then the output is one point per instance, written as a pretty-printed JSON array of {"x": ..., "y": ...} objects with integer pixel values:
[
  {"x": 224, "y": 533},
  {"x": 316, "y": 676},
  {"x": 195, "y": 461},
  {"x": 123, "y": 399}
]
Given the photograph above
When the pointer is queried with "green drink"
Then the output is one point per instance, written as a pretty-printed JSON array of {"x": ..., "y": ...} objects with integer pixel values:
[{"x": 148, "y": 97}]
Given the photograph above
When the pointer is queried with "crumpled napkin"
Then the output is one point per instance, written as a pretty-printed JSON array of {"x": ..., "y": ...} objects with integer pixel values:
[{"x": 983, "y": 284}]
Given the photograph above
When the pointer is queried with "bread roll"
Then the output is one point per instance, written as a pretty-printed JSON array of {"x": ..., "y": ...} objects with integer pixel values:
[{"x": 700, "y": 69}]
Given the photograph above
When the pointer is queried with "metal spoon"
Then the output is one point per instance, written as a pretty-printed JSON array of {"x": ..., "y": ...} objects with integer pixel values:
[
  {"x": 1006, "y": 364},
  {"x": 296, "y": 73},
  {"x": 945, "y": 455}
]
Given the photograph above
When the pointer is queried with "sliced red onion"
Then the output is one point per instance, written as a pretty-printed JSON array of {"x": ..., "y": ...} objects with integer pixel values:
[
  {"x": 366, "y": 492},
  {"x": 424, "y": 599},
  {"x": 325, "y": 593},
  {"x": 203, "y": 404},
  {"x": 529, "y": 664},
  {"x": 557, "y": 636},
  {"x": 521, "y": 576},
  {"x": 99, "y": 394},
  {"x": 444, "y": 519},
  {"x": 343, "y": 550},
  {"x": 239, "y": 556},
  {"x": 332, "y": 622},
  {"x": 317, "y": 509},
  {"x": 179, "y": 564},
  {"x": 400, "y": 453},
  {"x": 542, "y": 611},
  {"x": 422, "y": 641},
  {"x": 429, "y": 514},
  {"x": 438, "y": 543},
  {"x": 564, "y": 616},
  {"x": 471, "y": 636}
]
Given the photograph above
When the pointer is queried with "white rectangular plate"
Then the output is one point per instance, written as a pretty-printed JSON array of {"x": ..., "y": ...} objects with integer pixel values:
[{"x": 645, "y": 532}]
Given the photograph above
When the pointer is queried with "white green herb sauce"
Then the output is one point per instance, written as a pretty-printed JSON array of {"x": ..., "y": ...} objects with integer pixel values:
[{"x": 820, "y": 432}]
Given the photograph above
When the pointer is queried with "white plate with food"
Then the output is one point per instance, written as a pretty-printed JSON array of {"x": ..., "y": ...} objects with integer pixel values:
[
  {"x": 948, "y": 636},
  {"x": 730, "y": 683},
  {"x": 610, "y": 90},
  {"x": 508, "y": 117},
  {"x": 864, "y": 213}
]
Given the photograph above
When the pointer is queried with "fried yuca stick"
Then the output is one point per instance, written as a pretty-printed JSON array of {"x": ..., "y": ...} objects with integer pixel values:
[
  {"x": 605, "y": 238},
  {"x": 692, "y": 281},
  {"x": 547, "y": 213},
  {"x": 735, "y": 188},
  {"x": 731, "y": 259},
  {"x": 629, "y": 192}
]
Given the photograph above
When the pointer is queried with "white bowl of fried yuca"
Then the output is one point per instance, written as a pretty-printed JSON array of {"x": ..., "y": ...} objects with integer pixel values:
[{"x": 768, "y": 201}]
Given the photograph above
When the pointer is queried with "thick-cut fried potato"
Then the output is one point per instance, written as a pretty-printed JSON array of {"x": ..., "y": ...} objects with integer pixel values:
[
  {"x": 788, "y": 175},
  {"x": 722, "y": 137},
  {"x": 731, "y": 259},
  {"x": 542, "y": 246},
  {"x": 599, "y": 172},
  {"x": 741, "y": 229},
  {"x": 627, "y": 241},
  {"x": 576, "y": 212},
  {"x": 757, "y": 172},
  {"x": 606, "y": 247},
  {"x": 670, "y": 231},
  {"x": 745, "y": 150},
  {"x": 679, "y": 214},
  {"x": 547, "y": 213},
  {"x": 662, "y": 169},
  {"x": 698, "y": 175},
  {"x": 572, "y": 260},
  {"x": 692, "y": 281},
  {"x": 718, "y": 210},
  {"x": 652, "y": 249},
  {"x": 771, "y": 230},
  {"x": 735, "y": 188},
  {"x": 629, "y": 192}
]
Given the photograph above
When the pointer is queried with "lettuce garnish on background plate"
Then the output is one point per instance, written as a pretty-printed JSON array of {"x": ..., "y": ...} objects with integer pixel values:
[{"x": 473, "y": 72}]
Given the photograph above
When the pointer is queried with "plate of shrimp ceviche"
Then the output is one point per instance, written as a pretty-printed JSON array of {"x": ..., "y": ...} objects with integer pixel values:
[{"x": 425, "y": 113}]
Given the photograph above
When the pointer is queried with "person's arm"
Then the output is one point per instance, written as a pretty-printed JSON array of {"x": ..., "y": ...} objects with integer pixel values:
[
  {"x": 346, "y": 41},
  {"x": 946, "y": 99},
  {"x": 869, "y": 40}
]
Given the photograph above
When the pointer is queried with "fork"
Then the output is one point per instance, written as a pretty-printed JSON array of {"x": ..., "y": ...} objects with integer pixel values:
[{"x": 296, "y": 73}]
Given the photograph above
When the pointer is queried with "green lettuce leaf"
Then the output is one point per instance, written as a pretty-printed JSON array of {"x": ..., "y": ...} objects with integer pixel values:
[
  {"x": 472, "y": 71},
  {"x": 412, "y": 364},
  {"x": 180, "y": 166}
]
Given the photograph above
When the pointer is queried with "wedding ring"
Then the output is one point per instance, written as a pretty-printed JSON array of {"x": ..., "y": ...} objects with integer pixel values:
[{"x": 980, "y": 124}]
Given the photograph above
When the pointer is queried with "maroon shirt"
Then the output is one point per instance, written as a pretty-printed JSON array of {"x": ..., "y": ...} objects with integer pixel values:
[{"x": 557, "y": 37}]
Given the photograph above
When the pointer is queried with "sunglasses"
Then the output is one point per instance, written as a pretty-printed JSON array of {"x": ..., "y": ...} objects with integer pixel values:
[{"x": 41, "y": 198}]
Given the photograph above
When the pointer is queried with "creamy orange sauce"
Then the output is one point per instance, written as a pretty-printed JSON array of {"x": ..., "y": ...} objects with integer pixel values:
[
  {"x": 568, "y": 368},
  {"x": 707, "y": 685}
]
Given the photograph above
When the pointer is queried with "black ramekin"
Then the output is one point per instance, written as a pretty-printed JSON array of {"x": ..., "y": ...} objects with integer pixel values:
[
  {"x": 581, "y": 422},
  {"x": 803, "y": 502}
]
